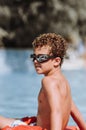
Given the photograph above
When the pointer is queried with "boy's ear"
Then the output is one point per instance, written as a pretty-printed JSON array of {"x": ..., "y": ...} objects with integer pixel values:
[{"x": 57, "y": 61}]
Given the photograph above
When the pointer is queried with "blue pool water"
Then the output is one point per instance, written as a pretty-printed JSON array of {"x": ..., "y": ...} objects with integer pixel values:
[{"x": 19, "y": 85}]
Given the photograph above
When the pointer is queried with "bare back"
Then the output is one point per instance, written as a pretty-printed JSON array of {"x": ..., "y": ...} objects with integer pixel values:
[{"x": 54, "y": 94}]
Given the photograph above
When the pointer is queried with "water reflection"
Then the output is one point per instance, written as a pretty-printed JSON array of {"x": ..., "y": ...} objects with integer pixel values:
[
  {"x": 14, "y": 60},
  {"x": 17, "y": 60}
]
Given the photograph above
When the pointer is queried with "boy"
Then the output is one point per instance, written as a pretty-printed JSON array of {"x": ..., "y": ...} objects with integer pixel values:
[{"x": 55, "y": 103}]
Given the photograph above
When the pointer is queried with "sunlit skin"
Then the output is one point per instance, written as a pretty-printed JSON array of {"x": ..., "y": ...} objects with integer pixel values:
[{"x": 54, "y": 94}]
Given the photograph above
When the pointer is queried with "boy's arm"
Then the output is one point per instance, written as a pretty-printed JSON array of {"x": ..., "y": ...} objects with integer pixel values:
[
  {"x": 76, "y": 115},
  {"x": 5, "y": 121},
  {"x": 54, "y": 100}
]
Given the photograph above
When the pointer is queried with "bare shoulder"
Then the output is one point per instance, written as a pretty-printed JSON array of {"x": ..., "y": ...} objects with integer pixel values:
[
  {"x": 55, "y": 84},
  {"x": 50, "y": 84},
  {"x": 49, "y": 80}
]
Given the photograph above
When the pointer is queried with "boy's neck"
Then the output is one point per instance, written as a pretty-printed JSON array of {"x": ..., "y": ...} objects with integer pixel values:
[{"x": 54, "y": 71}]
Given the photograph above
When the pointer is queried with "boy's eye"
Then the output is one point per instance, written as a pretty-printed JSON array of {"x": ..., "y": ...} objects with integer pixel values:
[{"x": 41, "y": 57}]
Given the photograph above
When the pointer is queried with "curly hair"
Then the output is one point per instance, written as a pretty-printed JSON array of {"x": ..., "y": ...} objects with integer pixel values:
[{"x": 56, "y": 42}]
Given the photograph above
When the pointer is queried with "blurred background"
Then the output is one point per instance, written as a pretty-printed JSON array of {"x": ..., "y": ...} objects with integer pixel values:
[{"x": 20, "y": 22}]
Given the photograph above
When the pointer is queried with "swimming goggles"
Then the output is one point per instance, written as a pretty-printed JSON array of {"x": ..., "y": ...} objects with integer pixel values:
[{"x": 41, "y": 57}]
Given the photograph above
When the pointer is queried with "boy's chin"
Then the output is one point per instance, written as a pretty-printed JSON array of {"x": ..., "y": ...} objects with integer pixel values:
[{"x": 39, "y": 72}]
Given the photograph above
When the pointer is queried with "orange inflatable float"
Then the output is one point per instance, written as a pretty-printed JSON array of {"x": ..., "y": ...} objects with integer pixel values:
[{"x": 28, "y": 121}]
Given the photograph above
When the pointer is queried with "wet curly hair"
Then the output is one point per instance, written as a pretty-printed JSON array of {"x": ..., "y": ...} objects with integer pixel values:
[{"x": 56, "y": 42}]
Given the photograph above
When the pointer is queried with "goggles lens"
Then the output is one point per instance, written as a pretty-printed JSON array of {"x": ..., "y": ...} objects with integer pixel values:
[{"x": 41, "y": 57}]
